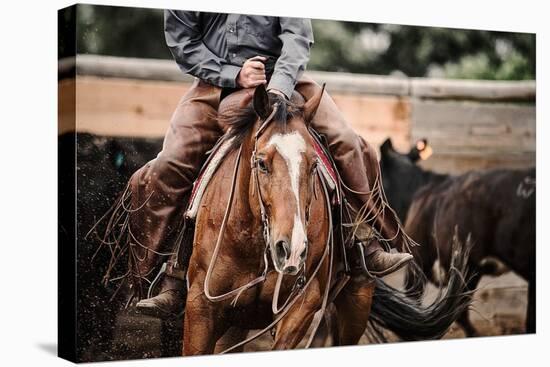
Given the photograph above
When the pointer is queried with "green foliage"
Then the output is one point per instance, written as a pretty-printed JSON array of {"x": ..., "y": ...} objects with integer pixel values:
[
  {"x": 422, "y": 51},
  {"x": 339, "y": 46},
  {"x": 121, "y": 31},
  {"x": 478, "y": 66}
]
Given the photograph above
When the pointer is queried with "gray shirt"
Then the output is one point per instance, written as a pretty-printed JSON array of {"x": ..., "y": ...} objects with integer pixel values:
[{"x": 214, "y": 46}]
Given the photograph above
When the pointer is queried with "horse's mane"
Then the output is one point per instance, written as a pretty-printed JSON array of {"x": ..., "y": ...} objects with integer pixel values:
[{"x": 241, "y": 119}]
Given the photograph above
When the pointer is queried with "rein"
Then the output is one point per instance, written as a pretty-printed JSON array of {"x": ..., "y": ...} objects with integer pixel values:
[
  {"x": 329, "y": 251},
  {"x": 300, "y": 286},
  {"x": 238, "y": 291}
]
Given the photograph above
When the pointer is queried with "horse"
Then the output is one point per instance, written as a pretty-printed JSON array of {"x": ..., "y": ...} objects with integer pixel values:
[
  {"x": 104, "y": 165},
  {"x": 263, "y": 254},
  {"x": 496, "y": 208}
]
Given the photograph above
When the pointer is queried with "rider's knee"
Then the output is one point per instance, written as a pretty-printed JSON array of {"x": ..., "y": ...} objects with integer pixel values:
[
  {"x": 307, "y": 87},
  {"x": 162, "y": 163},
  {"x": 175, "y": 168},
  {"x": 369, "y": 151},
  {"x": 348, "y": 140},
  {"x": 152, "y": 171}
]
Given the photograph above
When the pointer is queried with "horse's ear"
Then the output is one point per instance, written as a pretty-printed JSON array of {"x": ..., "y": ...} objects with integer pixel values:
[
  {"x": 386, "y": 147},
  {"x": 310, "y": 107},
  {"x": 425, "y": 150},
  {"x": 420, "y": 151},
  {"x": 261, "y": 102}
]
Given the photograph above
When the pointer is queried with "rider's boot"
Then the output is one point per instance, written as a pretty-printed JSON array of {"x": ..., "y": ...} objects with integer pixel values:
[
  {"x": 170, "y": 301},
  {"x": 380, "y": 262},
  {"x": 382, "y": 218}
]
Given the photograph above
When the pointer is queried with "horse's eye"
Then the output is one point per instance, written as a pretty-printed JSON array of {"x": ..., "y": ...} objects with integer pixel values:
[{"x": 262, "y": 166}]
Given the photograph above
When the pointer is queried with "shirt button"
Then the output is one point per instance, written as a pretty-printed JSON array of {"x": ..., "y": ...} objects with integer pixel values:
[
  {"x": 234, "y": 55},
  {"x": 231, "y": 30}
]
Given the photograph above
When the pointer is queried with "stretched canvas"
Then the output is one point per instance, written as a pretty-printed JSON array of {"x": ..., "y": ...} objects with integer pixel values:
[{"x": 237, "y": 182}]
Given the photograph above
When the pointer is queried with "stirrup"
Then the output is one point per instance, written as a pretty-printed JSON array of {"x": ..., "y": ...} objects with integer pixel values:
[
  {"x": 155, "y": 281},
  {"x": 363, "y": 262},
  {"x": 171, "y": 272},
  {"x": 168, "y": 270}
]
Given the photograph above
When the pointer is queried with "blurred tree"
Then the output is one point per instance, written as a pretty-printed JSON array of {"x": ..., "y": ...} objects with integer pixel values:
[
  {"x": 339, "y": 46},
  {"x": 121, "y": 31},
  {"x": 422, "y": 51}
]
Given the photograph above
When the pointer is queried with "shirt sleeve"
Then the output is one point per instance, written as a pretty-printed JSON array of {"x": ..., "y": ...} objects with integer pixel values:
[
  {"x": 181, "y": 30},
  {"x": 297, "y": 38}
]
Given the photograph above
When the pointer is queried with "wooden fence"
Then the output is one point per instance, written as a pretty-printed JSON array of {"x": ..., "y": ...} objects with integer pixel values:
[{"x": 470, "y": 124}]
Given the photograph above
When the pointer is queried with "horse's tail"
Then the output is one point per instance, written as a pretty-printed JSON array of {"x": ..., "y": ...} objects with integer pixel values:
[
  {"x": 394, "y": 310},
  {"x": 415, "y": 281}
]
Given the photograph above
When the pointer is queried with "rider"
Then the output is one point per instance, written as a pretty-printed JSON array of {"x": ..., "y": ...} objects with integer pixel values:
[{"x": 226, "y": 52}]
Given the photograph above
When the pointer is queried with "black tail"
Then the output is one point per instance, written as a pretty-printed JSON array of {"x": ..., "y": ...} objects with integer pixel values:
[{"x": 393, "y": 310}]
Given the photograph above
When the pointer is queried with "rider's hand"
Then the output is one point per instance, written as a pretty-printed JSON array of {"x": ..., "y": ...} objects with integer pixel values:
[{"x": 252, "y": 73}]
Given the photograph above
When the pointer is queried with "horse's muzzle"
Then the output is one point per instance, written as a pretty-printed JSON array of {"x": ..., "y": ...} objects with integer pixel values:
[{"x": 286, "y": 259}]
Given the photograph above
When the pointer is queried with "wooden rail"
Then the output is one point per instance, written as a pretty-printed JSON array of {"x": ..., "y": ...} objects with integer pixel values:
[
  {"x": 167, "y": 70},
  {"x": 470, "y": 124}
]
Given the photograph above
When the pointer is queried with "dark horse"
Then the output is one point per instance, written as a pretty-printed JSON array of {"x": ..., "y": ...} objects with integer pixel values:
[
  {"x": 104, "y": 165},
  {"x": 496, "y": 208},
  {"x": 263, "y": 253}
]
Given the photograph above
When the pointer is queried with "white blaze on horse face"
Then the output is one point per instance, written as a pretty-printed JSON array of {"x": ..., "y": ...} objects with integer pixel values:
[{"x": 291, "y": 147}]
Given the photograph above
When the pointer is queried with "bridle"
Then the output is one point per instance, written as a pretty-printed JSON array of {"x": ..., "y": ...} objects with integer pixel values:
[
  {"x": 300, "y": 284},
  {"x": 255, "y": 168}
]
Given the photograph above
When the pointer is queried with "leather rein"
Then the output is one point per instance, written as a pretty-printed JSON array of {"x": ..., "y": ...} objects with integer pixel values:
[{"x": 300, "y": 285}]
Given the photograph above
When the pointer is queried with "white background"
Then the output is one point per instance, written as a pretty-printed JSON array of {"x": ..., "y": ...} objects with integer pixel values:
[{"x": 28, "y": 180}]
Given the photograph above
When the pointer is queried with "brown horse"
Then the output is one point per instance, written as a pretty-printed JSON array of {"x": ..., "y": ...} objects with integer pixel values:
[{"x": 263, "y": 255}]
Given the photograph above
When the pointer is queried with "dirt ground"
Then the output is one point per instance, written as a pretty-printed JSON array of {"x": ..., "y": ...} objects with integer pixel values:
[{"x": 498, "y": 308}]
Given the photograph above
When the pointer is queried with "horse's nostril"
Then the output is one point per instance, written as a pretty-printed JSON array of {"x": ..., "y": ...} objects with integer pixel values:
[
  {"x": 282, "y": 250},
  {"x": 290, "y": 269},
  {"x": 303, "y": 254}
]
